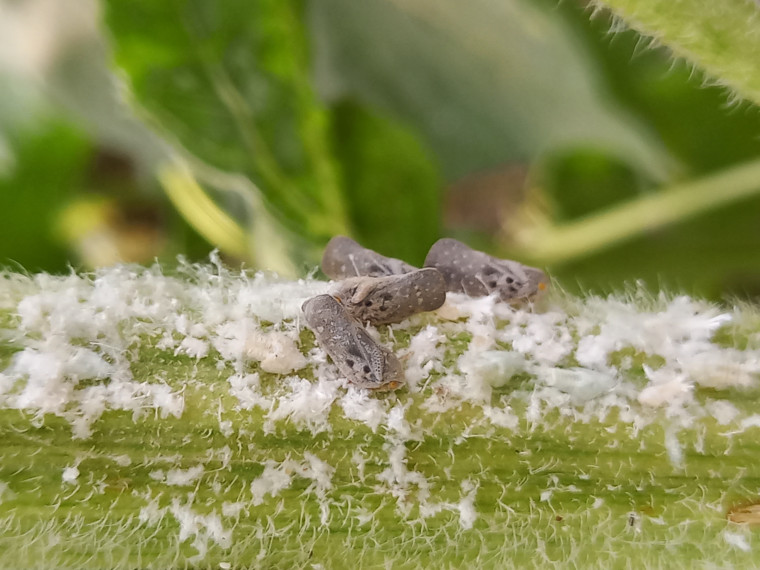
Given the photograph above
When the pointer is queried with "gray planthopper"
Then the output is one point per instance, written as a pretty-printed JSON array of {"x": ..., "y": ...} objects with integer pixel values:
[
  {"x": 476, "y": 273},
  {"x": 357, "y": 355},
  {"x": 391, "y": 299},
  {"x": 343, "y": 257}
]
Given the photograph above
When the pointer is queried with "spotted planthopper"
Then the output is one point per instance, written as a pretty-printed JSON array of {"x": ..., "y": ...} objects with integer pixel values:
[
  {"x": 391, "y": 299},
  {"x": 357, "y": 355},
  {"x": 343, "y": 258},
  {"x": 476, "y": 273}
]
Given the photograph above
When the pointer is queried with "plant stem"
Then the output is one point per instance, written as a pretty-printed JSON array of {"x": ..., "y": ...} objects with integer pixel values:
[
  {"x": 560, "y": 243},
  {"x": 157, "y": 421}
]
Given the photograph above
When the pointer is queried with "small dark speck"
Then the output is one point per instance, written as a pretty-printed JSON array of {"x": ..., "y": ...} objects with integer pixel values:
[
  {"x": 366, "y": 369},
  {"x": 350, "y": 362}
]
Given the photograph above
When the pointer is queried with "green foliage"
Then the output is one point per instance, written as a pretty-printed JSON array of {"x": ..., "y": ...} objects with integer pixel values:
[
  {"x": 487, "y": 84},
  {"x": 286, "y": 122},
  {"x": 392, "y": 186},
  {"x": 229, "y": 82},
  {"x": 45, "y": 170},
  {"x": 717, "y": 37},
  {"x": 714, "y": 252},
  {"x": 281, "y": 124}
]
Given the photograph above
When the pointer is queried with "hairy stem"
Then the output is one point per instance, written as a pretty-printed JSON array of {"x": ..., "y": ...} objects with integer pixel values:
[{"x": 164, "y": 421}]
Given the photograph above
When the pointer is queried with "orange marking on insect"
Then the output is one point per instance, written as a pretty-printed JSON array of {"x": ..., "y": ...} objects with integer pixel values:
[{"x": 390, "y": 386}]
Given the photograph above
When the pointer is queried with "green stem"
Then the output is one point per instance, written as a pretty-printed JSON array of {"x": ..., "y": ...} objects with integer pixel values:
[
  {"x": 150, "y": 420},
  {"x": 556, "y": 244},
  {"x": 200, "y": 211}
]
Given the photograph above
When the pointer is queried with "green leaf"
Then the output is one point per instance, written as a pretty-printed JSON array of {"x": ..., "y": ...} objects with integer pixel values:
[
  {"x": 694, "y": 121},
  {"x": 392, "y": 184},
  {"x": 581, "y": 181},
  {"x": 45, "y": 169},
  {"x": 230, "y": 83},
  {"x": 710, "y": 251},
  {"x": 485, "y": 82},
  {"x": 712, "y": 255},
  {"x": 718, "y": 37}
]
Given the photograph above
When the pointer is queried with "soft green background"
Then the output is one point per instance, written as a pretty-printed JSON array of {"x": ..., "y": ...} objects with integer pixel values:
[{"x": 372, "y": 119}]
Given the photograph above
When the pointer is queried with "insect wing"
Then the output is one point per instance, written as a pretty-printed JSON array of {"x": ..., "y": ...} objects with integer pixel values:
[
  {"x": 476, "y": 273},
  {"x": 343, "y": 257},
  {"x": 358, "y": 357},
  {"x": 384, "y": 300}
]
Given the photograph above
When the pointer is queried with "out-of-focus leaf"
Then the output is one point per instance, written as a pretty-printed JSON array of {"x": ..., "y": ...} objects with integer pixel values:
[
  {"x": 195, "y": 205},
  {"x": 190, "y": 188},
  {"x": 581, "y": 181},
  {"x": 719, "y": 37},
  {"x": 715, "y": 255},
  {"x": 393, "y": 187},
  {"x": 711, "y": 254},
  {"x": 486, "y": 82},
  {"x": 225, "y": 209},
  {"x": 697, "y": 219},
  {"x": 47, "y": 168},
  {"x": 696, "y": 122},
  {"x": 229, "y": 81}
]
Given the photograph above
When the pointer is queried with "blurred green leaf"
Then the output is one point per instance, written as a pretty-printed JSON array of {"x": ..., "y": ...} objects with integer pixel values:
[
  {"x": 684, "y": 112},
  {"x": 697, "y": 122},
  {"x": 581, "y": 181},
  {"x": 488, "y": 83},
  {"x": 394, "y": 190},
  {"x": 712, "y": 254},
  {"x": 47, "y": 168},
  {"x": 715, "y": 255},
  {"x": 230, "y": 82}
]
